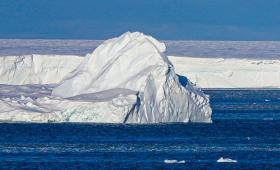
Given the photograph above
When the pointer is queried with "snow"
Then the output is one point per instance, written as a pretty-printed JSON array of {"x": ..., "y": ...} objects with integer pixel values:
[
  {"x": 123, "y": 62},
  {"x": 222, "y": 160},
  {"x": 127, "y": 79}
]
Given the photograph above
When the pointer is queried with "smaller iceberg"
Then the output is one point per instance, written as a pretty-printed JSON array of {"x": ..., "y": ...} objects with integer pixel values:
[
  {"x": 222, "y": 160},
  {"x": 174, "y": 161}
]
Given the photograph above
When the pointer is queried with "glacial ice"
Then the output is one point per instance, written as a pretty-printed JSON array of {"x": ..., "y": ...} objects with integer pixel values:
[{"x": 127, "y": 79}]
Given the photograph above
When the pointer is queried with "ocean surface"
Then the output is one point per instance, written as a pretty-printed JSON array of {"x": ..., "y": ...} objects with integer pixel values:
[{"x": 245, "y": 128}]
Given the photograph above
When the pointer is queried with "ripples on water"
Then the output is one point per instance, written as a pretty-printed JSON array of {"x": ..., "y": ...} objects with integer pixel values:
[{"x": 246, "y": 128}]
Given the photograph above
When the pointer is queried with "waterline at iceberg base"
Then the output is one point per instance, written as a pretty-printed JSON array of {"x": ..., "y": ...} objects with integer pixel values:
[{"x": 127, "y": 79}]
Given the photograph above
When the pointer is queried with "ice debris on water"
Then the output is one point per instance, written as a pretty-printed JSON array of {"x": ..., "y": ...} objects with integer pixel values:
[
  {"x": 173, "y": 161},
  {"x": 222, "y": 159}
]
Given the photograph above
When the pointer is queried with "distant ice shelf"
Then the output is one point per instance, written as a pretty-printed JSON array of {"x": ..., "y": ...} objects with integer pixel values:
[
  {"x": 204, "y": 72},
  {"x": 229, "y": 73}
]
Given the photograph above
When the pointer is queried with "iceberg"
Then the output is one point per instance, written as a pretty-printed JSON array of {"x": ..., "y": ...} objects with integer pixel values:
[
  {"x": 127, "y": 79},
  {"x": 137, "y": 62},
  {"x": 226, "y": 160},
  {"x": 173, "y": 161}
]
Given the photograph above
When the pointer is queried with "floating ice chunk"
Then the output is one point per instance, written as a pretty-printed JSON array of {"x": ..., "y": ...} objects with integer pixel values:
[
  {"x": 226, "y": 160},
  {"x": 173, "y": 161}
]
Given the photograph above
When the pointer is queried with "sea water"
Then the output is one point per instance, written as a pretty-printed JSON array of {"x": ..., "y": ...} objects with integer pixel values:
[{"x": 245, "y": 130}]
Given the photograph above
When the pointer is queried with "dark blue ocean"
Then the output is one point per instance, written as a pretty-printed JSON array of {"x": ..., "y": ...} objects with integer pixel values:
[{"x": 245, "y": 128}]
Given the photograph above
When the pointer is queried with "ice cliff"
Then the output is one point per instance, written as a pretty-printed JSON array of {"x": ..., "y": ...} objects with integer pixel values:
[
  {"x": 127, "y": 79},
  {"x": 36, "y": 69},
  {"x": 229, "y": 73}
]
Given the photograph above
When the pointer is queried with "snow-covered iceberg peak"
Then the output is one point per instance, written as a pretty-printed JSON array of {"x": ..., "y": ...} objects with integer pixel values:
[
  {"x": 122, "y": 62},
  {"x": 136, "y": 62}
]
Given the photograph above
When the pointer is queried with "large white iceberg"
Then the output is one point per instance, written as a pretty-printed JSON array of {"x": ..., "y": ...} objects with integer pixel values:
[
  {"x": 136, "y": 62},
  {"x": 127, "y": 79}
]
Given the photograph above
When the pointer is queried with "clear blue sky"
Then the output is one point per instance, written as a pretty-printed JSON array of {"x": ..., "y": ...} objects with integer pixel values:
[{"x": 164, "y": 19}]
